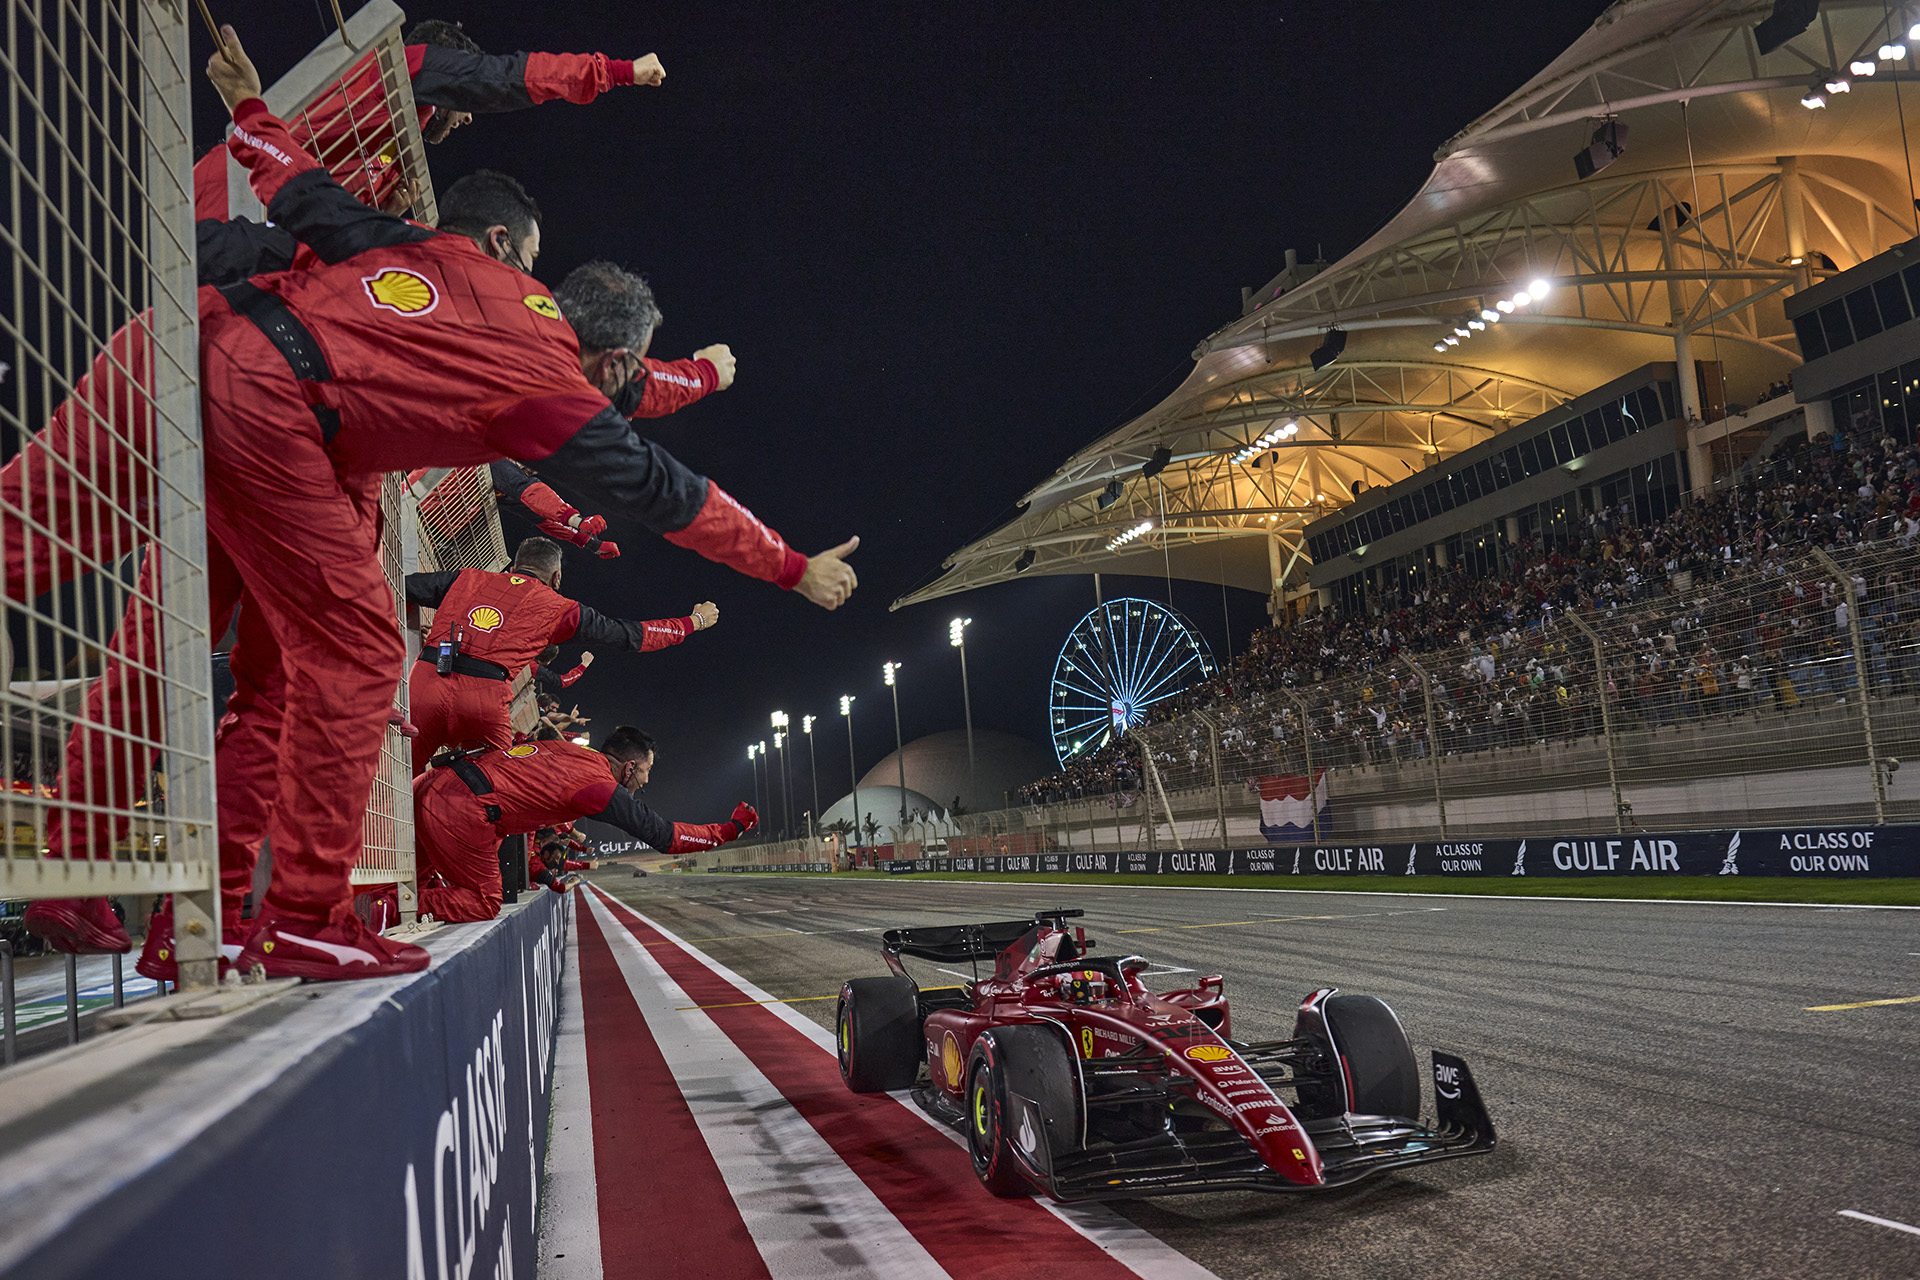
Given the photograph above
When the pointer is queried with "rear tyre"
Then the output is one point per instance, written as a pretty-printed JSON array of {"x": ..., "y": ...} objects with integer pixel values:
[
  {"x": 1379, "y": 1058},
  {"x": 1032, "y": 1062},
  {"x": 877, "y": 1034}
]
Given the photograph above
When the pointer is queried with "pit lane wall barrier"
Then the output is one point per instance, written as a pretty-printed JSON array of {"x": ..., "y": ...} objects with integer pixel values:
[
  {"x": 404, "y": 1138},
  {"x": 1818, "y": 852}
]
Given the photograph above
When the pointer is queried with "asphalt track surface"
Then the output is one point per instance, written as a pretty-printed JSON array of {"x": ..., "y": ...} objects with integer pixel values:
[{"x": 1667, "y": 1102}]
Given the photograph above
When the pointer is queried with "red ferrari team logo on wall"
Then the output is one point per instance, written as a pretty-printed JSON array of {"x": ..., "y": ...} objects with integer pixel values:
[{"x": 403, "y": 292}]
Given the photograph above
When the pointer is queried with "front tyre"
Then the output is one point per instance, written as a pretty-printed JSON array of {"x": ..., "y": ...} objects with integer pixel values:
[{"x": 993, "y": 1160}]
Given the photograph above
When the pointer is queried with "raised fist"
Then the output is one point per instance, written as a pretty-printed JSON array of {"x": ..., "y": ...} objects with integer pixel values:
[
  {"x": 744, "y": 817},
  {"x": 608, "y": 550}
]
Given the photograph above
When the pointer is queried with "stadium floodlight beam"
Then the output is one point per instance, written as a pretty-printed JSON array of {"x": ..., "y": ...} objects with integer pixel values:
[
  {"x": 853, "y": 770},
  {"x": 1788, "y": 19},
  {"x": 899, "y": 746},
  {"x": 1539, "y": 289},
  {"x": 1329, "y": 350},
  {"x": 957, "y": 637}
]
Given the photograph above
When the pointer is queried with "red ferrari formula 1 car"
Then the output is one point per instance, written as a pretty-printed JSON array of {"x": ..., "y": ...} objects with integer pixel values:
[{"x": 1068, "y": 1076}]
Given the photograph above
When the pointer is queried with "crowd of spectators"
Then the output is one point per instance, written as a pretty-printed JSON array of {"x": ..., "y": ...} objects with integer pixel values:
[{"x": 1716, "y": 609}]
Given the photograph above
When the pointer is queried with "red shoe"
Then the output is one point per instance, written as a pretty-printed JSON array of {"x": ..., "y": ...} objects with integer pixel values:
[
  {"x": 340, "y": 949},
  {"x": 156, "y": 956},
  {"x": 78, "y": 926}
]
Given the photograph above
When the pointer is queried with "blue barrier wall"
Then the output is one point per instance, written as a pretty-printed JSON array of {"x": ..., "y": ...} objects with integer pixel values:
[
  {"x": 1814, "y": 852},
  {"x": 409, "y": 1144}
]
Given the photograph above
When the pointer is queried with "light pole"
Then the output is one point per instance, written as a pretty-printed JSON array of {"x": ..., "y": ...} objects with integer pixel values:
[
  {"x": 813, "y": 762},
  {"x": 957, "y": 637},
  {"x": 752, "y": 751},
  {"x": 899, "y": 748},
  {"x": 780, "y": 737},
  {"x": 846, "y": 709}
]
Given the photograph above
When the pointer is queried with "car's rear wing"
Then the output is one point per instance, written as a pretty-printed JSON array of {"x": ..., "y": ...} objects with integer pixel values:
[
  {"x": 955, "y": 942},
  {"x": 952, "y": 942}
]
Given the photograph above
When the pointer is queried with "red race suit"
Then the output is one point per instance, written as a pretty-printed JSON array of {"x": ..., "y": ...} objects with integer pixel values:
[
  {"x": 501, "y": 621},
  {"x": 463, "y": 810},
  {"x": 400, "y": 347},
  {"x": 350, "y": 129}
]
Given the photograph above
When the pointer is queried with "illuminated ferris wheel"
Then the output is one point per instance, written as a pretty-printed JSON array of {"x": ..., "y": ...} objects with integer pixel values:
[{"x": 1120, "y": 659}]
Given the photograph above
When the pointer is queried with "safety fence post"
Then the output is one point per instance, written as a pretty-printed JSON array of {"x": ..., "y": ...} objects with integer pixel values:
[
  {"x": 1433, "y": 741},
  {"x": 1600, "y": 682},
  {"x": 1219, "y": 790},
  {"x": 1863, "y": 678}
]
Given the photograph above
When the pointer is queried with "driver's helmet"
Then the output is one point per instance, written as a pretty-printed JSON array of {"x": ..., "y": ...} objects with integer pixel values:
[{"x": 1083, "y": 986}]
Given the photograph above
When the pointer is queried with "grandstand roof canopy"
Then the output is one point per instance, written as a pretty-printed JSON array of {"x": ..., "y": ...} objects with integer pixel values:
[{"x": 1729, "y": 194}]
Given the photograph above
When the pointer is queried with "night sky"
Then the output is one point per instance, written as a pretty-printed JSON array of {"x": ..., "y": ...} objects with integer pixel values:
[{"x": 949, "y": 246}]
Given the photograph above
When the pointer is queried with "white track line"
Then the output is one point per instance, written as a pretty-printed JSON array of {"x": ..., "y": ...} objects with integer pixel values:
[
  {"x": 779, "y": 1170},
  {"x": 1880, "y": 1222},
  {"x": 1141, "y": 1252},
  {"x": 569, "y": 1244},
  {"x": 1378, "y": 893}
]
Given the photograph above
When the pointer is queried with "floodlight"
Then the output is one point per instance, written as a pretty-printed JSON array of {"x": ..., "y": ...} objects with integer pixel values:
[
  {"x": 1863, "y": 67},
  {"x": 888, "y": 668},
  {"x": 1892, "y": 52},
  {"x": 1452, "y": 341},
  {"x": 1476, "y": 323},
  {"x": 846, "y": 704},
  {"x": 1788, "y": 19},
  {"x": 1814, "y": 100},
  {"x": 1539, "y": 289},
  {"x": 1505, "y": 304},
  {"x": 1490, "y": 315},
  {"x": 957, "y": 632},
  {"x": 1460, "y": 331},
  {"x": 1609, "y": 144},
  {"x": 1913, "y": 32},
  {"x": 1329, "y": 351},
  {"x": 1111, "y": 494},
  {"x": 1439, "y": 346},
  {"x": 1290, "y": 430},
  {"x": 1157, "y": 463},
  {"x": 1841, "y": 85}
]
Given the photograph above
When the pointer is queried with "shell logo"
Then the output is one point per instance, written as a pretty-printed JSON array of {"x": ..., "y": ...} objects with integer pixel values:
[
  {"x": 950, "y": 1060},
  {"x": 400, "y": 291},
  {"x": 1209, "y": 1053},
  {"x": 522, "y": 751},
  {"x": 485, "y": 618},
  {"x": 542, "y": 305}
]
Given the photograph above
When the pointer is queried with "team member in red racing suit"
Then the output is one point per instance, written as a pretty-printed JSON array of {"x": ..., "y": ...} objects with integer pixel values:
[
  {"x": 436, "y": 352},
  {"x": 491, "y": 626},
  {"x": 464, "y": 808},
  {"x": 453, "y": 81}
]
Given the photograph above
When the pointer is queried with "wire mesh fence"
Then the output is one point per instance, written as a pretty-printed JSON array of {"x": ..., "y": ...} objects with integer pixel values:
[{"x": 110, "y": 786}]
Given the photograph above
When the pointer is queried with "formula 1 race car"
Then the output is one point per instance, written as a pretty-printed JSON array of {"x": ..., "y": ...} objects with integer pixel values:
[{"x": 1067, "y": 1075}]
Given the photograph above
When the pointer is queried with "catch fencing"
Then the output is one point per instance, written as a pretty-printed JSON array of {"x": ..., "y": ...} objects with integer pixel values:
[{"x": 102, "y": 517}]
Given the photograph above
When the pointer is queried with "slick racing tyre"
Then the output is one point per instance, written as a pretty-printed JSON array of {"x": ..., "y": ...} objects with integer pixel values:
[
  {"x": 877, "y": 1034},
  {"x": 1379, "y": 1059},
  {"x": 1033, "y": 1062}
]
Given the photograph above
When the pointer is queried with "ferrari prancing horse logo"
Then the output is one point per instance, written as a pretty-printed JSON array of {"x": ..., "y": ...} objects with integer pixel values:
[
  {"x": 541, "y": 305},
  {"x": 403, "y": 292}
]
